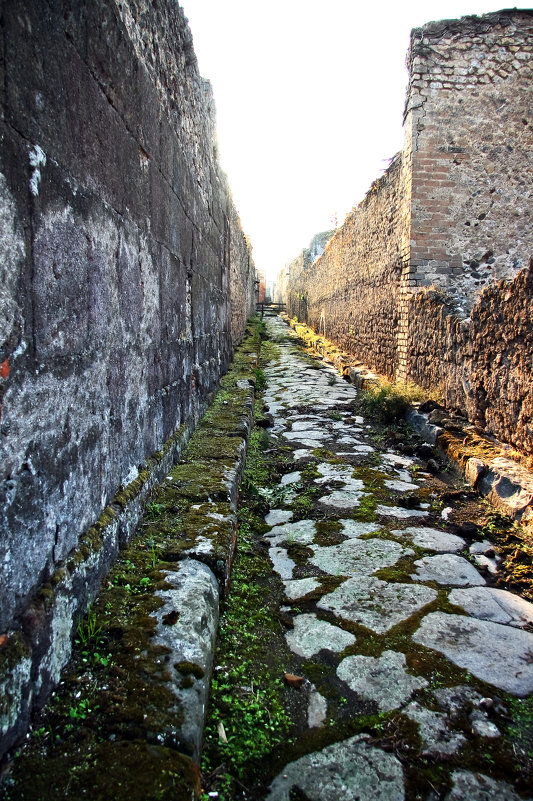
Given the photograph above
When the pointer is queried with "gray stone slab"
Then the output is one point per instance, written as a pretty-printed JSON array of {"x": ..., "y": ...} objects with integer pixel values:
[
  {"x": 301, "y": 453},
  {"x": 432, "y": 538},
  {"x": 399, "y": 512},
  {"x": 376, "y": 604},
  {"x": 298, "y": 588},
  {"x": 500, "y": 655},
  {"x": 447, "y": 568},
  {"x": 478, "y": 787},
  {"x": 311, "y": 635},
  {"x": 352, "y": 770},
  {"x": 358, "y": 556},
  {"x": 400, "y": 486},
  {"x": 437, "y": 737},
  {"x": 317, "y": 709},
  {"x": 354, "y": 528},
  {"x": 342, "y": 499},
  {"x": 282, "y": 564},
  {"x": 290, "y": 478},
  {"x": 384, "y": 680},
  {"x": 301, "y": 531},
  {"x": 500, "y": 606},
  {"x": 193, "y": 591},
  {"x": 277, "y": 516}
]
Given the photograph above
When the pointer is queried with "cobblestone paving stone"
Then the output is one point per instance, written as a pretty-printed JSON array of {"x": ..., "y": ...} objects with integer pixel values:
[{"x": 394, "y": 603}]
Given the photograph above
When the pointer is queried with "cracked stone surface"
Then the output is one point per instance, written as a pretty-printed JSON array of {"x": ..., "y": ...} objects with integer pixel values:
[
  {"x": 277, "y": 516},
  {"x": 399, "y": 512},
  {"x": 478, "y": 787},
  {"x": 431, "y": 538},
  {"x": 376, "y": 604},
  {"x": 351, "y": 770},
  {"x": 384, "y": 680},
  {"x": 447, "y": 569},
  {"x": 499, "y": 655},
  {"x": 488, "y": 603},
  {"x": 298, "y": 588},
  {"x": 310, "y": 635},
  {"x": 358, "y": 556},
  {"x": 437, "y": 737}
]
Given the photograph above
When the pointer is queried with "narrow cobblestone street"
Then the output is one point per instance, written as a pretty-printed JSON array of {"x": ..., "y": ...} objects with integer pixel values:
[{"x": 408, "y": 673}]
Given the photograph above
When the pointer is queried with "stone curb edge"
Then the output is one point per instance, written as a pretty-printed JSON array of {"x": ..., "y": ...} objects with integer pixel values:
[{"x": 31, "y": 668}]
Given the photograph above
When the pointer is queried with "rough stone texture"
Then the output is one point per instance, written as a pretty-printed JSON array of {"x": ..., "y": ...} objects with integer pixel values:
[
  {"x": 447, "y": 569},
  {"x": 194, "y": 594},
  {"x": 383, "y": 680},
  {"x": 310, "y": 635},
  {"x": 500, "y": 606},
  {"x": 428, "y": 278},
  {"x": 125, "y": 275},
  {"x": 358, "y": 556},
  {"x": 437, "y": 738},
  {"x": 506, "y": 664},
  {"x": 351, "y": 769},
  {"x": 376, "y": 604},
  {"x": 478, "y": 787},
  {"x": 432, "y": 538},
  {"x": 118, "y": 307}
]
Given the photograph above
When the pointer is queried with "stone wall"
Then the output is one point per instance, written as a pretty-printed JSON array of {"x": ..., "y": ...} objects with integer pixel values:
[
  {"x": 427, "y": 279},
  {"x": 350, "y": 294},
  {"x": 125, "y": 279}
]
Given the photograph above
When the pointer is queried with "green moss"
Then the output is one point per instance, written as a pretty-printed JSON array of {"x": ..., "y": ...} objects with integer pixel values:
[{"x": 190, "y": 667}]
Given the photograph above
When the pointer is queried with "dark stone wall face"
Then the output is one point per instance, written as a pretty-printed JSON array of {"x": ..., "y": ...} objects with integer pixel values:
[
  {"x": 483, "y": 367},
  {"x": 125, "y": 279}
]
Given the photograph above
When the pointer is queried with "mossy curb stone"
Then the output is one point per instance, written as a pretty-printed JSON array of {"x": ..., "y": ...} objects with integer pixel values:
[{"x": 351, "y": 770}]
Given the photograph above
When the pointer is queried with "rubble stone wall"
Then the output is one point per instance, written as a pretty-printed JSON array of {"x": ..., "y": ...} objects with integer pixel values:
[
  {"x": 428, "y": 279},
  {"x": 350, "y": 293},
  {"x": 125, "y": 279}
]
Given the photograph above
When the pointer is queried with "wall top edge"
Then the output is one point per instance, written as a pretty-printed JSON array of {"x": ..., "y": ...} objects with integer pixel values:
[{"x": 476, "y": 24}]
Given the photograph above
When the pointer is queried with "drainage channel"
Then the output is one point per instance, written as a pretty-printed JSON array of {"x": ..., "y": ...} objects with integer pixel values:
[{"x": 370, "y": 647}]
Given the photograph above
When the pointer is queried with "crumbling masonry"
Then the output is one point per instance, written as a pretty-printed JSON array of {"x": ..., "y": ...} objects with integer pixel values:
[{"x": 429, "y": 278}]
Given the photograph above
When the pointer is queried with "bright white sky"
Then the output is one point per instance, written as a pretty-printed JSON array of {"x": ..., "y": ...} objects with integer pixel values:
[{"x": 309, "y": 97}]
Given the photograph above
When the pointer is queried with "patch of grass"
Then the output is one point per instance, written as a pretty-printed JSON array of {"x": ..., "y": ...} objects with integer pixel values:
[{"x": 390, "y": 401}]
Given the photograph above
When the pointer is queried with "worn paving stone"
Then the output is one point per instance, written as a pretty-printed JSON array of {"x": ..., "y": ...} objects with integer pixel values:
[
  {"x": 352, "y": 770},
  {"x": 277, "y": 516},
  {"x": 447, "y": 569},
  {"x": 432, "y": 538},
  {"x": 317, "y": 709},
  {"x": 478, "y": 787},
  {"x": 282, "y": 564},
  {"x": 399, "y": 512},
  {"x": 311, "y": 635},
  {"x": 358, "y": 556},
  {"x": 488, "y": 603},
  {"x": 298, "y": 588},
  {"x": 400, "y": 486},
  {"x": 500, "y": 655},
  {"x": 383, "y": 679},
  {"x": 376, "y": 604},
  {"x": 354, "y": 528},
  {"x": 290, "y": 478},
  {"x": 342, "y": 499},
  {"x": 301, "y": 531},
  {"x": 437, "y": 737}
]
